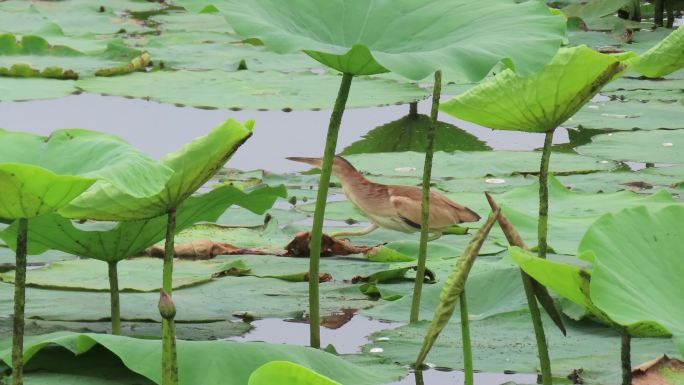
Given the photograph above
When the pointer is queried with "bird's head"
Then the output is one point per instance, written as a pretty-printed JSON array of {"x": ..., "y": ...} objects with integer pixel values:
[{"x": 340, "y": 165}]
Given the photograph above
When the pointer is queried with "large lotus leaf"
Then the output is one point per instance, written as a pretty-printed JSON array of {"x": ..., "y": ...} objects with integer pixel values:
[
  {"x": 33, "y": 56},
  {"x": 129, "y": 238},
  {"x": 664, "y": 58},
  {"x": 473, "y": 164},
  {"x": 216, "y": 362},
  {"x": 252, "y": 90},
  {"x": 138, "y": 274},
  {"x": 411, "y": 38},
  {"x": 638, "y": 269},
  {"x": 658, "y": 146},
  {"x": 596, "y": 9},
  {"x": 410, "y": 134},
  {"x": 34, "y": 88},
  {"x": 538, "y": 102},
  {"x": 505, "y": 343},
  {"x": 192, "y": 165},
  {"x": 37, "y": 177},
  {"x": 629, "y": 115}
]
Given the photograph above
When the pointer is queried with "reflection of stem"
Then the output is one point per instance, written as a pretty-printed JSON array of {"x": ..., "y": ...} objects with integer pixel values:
[
  {"x": 425, "y": 208},
  {"x": 19, "y": 304},
  {"x": 465, "y": 336},
  {"x": 413, "y": 109},
  {"x": 544, "y": 195},
  {"x": 626, "y": 358},
  {"x": 114, "y": 298},
  {"x": 319, "y": 213},
  {"x": 169, "y": 359}
]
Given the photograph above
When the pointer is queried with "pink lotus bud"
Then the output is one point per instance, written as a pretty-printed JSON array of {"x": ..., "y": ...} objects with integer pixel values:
[{"x": 166, "y": 307}]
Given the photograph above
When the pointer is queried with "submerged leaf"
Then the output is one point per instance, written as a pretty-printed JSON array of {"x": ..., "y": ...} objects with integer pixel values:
[{"x": 539, "y": 102}]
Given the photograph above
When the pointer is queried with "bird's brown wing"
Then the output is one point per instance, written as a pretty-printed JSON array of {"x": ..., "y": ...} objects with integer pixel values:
[{"x": 443, "y": 211}]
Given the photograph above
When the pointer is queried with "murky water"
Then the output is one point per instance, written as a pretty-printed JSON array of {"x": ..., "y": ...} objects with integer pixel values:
[{"x": 161, "y": 128}]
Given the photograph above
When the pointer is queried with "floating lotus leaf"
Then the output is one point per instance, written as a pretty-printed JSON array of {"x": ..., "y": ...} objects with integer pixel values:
[
  {"x": 538, "y": 102},
  {"x": 638, "y": 269},
  {"x": 664, "y": 90},
  {"x": 252, "y": 90},
  {"x": 192, "y": 165},
  {"x": 411, "y": 38},
  {"x": 37, "y": 178},
  {"x": 410, "y": 134},
  {"x": 618, "y": 115},
  {"x": 130, "y": 238},
  {"x": 665, "y": 58},
  {"x": 34, "y": 88},
  {"x": 658, "y": 146},
  {"x": 33, "y": 56},
  {"x": 216, "y": 362}
]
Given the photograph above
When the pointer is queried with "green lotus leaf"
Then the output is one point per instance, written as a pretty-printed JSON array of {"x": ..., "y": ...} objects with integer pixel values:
[
  {"x": 411, "y": 38},
  {"x": 658, "y": 146},
  {"x": 129, "y": 238},
  {"x": 192, "y": 165},
  {"x": 287, "y": 373},
  {"x": 33, "y": 56},
  {"x": 36, "y": 177},
  {"x": 252, "y": 90},
  {"x": 216, "y": 362},
  {"x": 410, "y": 134},
  {"x": 628, "y": 116},
  {"x": 665, "y": 58},
  {"x": 538, "y": 102},
  {"x": 638, "y": 269},
  {"x": 34, "y": 88},
  {"x": 596, "y": 9}
]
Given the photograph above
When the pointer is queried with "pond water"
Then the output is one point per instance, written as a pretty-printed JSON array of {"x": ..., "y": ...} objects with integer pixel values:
[{"x": 161, "y": 128}]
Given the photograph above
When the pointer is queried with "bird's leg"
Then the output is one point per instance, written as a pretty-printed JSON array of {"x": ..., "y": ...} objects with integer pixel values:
[
  {"x": 434, "y": 236},
  {"x": 363, "y": 231}
]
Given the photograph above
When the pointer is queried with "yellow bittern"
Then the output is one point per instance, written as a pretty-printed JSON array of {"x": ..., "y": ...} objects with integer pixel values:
[{"x": 391, "y": 206}]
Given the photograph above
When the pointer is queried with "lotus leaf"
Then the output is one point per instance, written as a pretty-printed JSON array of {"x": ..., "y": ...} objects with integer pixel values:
[
  {"x": 658, "y": 146},
  {"x": 37, "y": 178},
  {"x": 629, "y": 115},
  {"x": 410, "y": 38},
  {"x": 34, "y": 88},
  {"x": 192, "y": 166},
  {"x": 665, "y": 58},
  {"x": 287, "y": 373},
  {"x": 637, "y": 270},
  {"x": 216, "y": 362},
  {"x": 539, "y": 102},
  {"x": 252, "y": 90}
]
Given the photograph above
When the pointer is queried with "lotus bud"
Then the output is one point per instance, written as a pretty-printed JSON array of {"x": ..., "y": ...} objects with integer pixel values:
[{"x": 166, "y": 307}]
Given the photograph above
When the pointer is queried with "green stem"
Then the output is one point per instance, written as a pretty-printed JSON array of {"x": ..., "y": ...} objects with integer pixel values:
[
  {"x": 413, "y": 109},
  {"x": 465, "y": 336},
  {"x": 625, "y": 355},
  {"x": 169, "y": 359},
  {"x": 114, "y": 297},
  {"x": 540, "y": 336},
  {"x": 544, "y": 195},
  {"x": 319, "y": 213},
  {"x": 658, "y": 17},
  {"x": 19, "y": 304},
  {"x": 669, "y": 7},
  {"x": 425, "y": 207},
  {"x": 418, "y": 375}
]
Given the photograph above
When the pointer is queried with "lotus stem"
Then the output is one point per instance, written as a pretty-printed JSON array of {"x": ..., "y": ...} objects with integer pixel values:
[
  {"x": 658, "y": 17},
  {"x": 114, "y": 297},
  {"x": 418, "y": 375},
  {"x": 19, "y": 304},
  {"x": 515, "y": 239},
  {"x": 425, "y": 207},
  {"x": 413, "y": 109},
  {"x": 635, "y": 15},
  {"x": 626, "y": 357},
  {"x": 319, "y": 213},
  {"x": 544, "y": 194},
  {"x": 465, "y": 338},
  {"x": 669, "y": 7},
  {"x": 169, "y": 358}
]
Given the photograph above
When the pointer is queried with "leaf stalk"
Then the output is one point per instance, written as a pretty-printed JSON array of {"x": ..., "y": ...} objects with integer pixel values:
[
  {"x": 544, "y": 195},
  {"x": 19, "y": 304},
  {"x": 465, "y": 338},
  {"x": 169, "y": 358},
  {"x": 114, "y": 297}
]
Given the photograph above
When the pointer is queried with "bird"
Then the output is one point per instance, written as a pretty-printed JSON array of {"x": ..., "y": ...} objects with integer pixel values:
[{"x": 393, "y": 207}]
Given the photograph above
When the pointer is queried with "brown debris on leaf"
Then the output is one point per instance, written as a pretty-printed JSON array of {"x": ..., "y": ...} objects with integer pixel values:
[
  {"x": 332, "y": 321},
  {"x": 299, "y": 246},
  {"x": 652, "y": 372},
  {"x": 200, "y": 249},
  {"x": 322, "y": 277}
]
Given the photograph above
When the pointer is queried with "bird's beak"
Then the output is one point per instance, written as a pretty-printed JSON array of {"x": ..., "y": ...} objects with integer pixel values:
[{"x": 316, "y": 162}]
